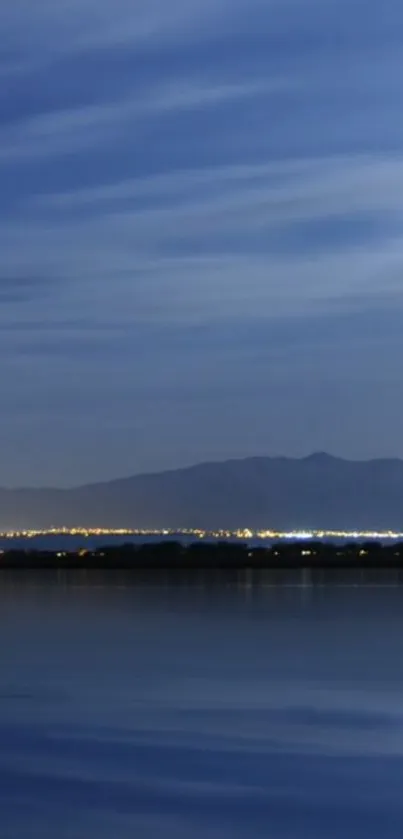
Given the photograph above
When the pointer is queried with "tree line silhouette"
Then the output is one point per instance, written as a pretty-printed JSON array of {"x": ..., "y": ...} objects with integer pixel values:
[{"x": 209, "y": 555}]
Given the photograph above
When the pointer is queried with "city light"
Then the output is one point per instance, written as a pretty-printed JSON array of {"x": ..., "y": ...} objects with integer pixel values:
[{"x": 242, "y": 534}]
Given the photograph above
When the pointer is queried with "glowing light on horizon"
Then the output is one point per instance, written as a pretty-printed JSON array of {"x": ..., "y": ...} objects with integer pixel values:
[{"x": 241, "y": 534}]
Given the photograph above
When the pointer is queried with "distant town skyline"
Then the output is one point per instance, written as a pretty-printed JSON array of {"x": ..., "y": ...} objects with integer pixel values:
[{"x": 201, "y": 234}]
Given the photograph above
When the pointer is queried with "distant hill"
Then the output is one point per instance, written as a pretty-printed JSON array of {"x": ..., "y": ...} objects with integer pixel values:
[{"x": 319, "y": 491}]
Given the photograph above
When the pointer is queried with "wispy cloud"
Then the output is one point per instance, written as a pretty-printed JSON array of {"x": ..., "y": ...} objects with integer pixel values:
[
  {"x": 284, "y": 191},
  {"x": 88, "y": 24},
  {"x": 220, "y": 243},
  {"x": 69, "y": 130},
  {"x": 22, "y": 289}
]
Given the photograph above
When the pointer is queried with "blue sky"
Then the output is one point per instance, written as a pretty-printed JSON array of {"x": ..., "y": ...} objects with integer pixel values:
[{"x": 201, "y": 216}]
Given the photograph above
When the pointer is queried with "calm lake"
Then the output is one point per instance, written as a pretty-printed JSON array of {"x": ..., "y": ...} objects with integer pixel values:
[{"x": 218, "y": 708}]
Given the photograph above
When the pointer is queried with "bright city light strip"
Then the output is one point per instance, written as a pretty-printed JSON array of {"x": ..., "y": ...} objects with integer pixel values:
[{"x": 241, "y": 534}]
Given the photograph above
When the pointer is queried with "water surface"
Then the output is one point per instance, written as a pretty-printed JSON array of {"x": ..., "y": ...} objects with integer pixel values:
[{"x": 236, "y": 706}]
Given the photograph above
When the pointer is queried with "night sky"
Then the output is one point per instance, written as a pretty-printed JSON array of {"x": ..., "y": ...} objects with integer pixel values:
[{"x": 201, "y": 216}]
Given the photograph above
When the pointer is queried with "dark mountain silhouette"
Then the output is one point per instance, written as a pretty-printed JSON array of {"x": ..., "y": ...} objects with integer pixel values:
[{"x": 319, "y": 491}]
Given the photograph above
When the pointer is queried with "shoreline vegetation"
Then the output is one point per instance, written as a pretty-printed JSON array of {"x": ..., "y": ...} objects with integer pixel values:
[{"x": 219, "y": 556}]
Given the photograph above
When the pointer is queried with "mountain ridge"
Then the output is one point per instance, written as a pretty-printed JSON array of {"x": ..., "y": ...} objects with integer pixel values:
[
  {"x": 314, "y": 456},
  {"x": 319, "y": 491}
]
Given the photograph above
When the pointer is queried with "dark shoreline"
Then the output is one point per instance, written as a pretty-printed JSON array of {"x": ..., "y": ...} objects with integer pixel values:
[{"x": 170, "y": 556}]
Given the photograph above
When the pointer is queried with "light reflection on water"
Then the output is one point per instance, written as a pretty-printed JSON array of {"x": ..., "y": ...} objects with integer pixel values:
[{"x": 236, "y": 705}]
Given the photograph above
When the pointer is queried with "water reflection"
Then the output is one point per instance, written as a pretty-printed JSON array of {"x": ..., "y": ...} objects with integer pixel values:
[{"x": 199, "y": 705}]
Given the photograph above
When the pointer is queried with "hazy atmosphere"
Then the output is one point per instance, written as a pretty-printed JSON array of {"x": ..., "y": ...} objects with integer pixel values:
[{"x": 201, "y": 233}]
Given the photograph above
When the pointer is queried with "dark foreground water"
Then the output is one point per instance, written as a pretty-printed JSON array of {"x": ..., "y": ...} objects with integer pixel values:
[{"x": 239, "y": 707}]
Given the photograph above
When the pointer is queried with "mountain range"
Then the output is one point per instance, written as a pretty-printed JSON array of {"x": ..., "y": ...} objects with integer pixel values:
[{"x": 319, "y": 491}]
